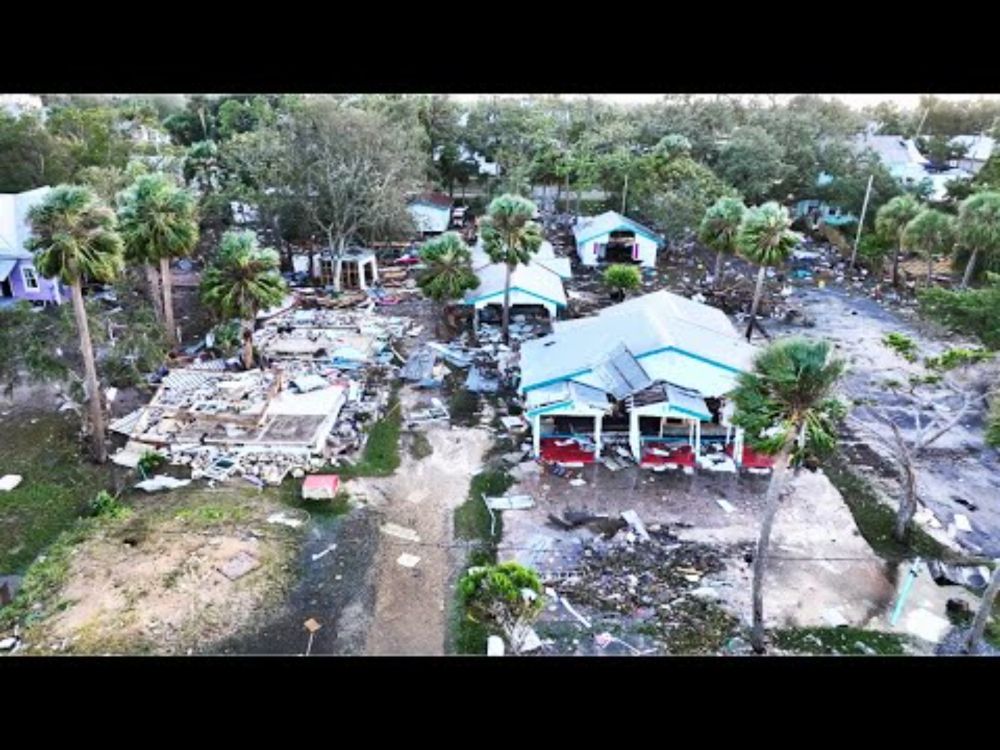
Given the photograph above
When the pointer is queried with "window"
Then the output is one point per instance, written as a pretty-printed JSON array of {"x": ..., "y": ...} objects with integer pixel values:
[{"x": 30, "y": 278}]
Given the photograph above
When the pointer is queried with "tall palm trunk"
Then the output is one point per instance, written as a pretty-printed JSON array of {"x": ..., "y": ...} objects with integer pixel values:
[
  {"x": 756, "y": 301},
  {"x": 248, "y": 343},
  {"x": 90, "y": 374},
  {"x": 506, "y": 306},
  {"x": 985, "y": 608},
  {"x": 969, "y": 268},
  {"x": 771, "y": 504},
  {"x": 895, "y": 260},
  {"x": 168, "y": 301},
  {"x": 154, "y": 292},
  {"x": 717, "y": 276}
]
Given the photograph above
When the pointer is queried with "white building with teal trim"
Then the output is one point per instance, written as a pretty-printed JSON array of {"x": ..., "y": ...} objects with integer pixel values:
[
  {"x": 538, "y": 283},
  {"x": 613, "y": 238},
  {"x": 656, "y": 370}
]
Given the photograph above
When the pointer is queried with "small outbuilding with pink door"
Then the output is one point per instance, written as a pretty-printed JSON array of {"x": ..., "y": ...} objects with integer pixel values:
[{"x": 613, "y": 238}]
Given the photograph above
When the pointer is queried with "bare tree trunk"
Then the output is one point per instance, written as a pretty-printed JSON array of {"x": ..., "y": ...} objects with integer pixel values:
[
  {"x": 506, "y": 306},
  {"x": 154, "y": 292},
  {"x": 771, "y": 505},
  {"x": 168, "y": 301},
  {"x": 982, "y": 615},
  {"x": 907, "y": 505},
  {"x": 969, "y": 268},
  {"x": 337, "y": 267},
  {"x": 717, "y": 276},
  {"x": 90, "y": 374},
  {"x": 756, "y": 301},
  {"x": 248, "y": 344},
  {"x": 930, "y": 269}
]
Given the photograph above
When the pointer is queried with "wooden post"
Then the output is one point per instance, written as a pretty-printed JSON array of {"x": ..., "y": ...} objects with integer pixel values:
[
  {"x": 536, "y": 434},
  {"x": 861, "y": 222},
  {"x": 598, "y": 419}
]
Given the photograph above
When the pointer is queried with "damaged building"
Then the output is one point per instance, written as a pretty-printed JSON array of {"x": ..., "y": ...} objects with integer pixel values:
[
  {"x": 649, "y": 376},
  {"x": 613, "y": 238}
]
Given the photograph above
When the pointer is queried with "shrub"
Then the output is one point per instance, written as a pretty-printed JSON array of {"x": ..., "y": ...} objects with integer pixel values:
[
  {"x": 903, "y": 345},
  {"x": 107, "y": 505},
  {"x": 972, "y": 311},
  {"x": 622, "y": 278}
]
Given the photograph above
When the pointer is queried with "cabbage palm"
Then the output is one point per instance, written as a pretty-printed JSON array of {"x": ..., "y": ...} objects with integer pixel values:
[
  {"x": 891, "y": 221},
  {"x": 931, "y": 232},
  {"x": 75, "y": 239},
  {"x": 242, "y": 281},
  {"x": 449, "y": 268},
  {"x": 158, "y": 223},
  {"x": 979, "y": 228},
  {"x": 719, "y": 228},
  {"x": 511, "y": 237},
  {"x": 764, "y": 237},
  {"x": 785, "y": 407}
]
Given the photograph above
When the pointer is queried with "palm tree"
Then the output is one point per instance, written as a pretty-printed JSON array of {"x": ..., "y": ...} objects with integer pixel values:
[
  {"x": 158, "y": 223},
  {"x": 449, "y": 268},
  {"x": 243, "y": 280},
  {"x": 764, "y": 238},
  {"x": 931, "y": 232},
  {"x": 784, "y": 405},
  {"x": 75, "y": 238},
  {"x": 719, "y": 228},
  {"x": 979, "y": 228},
  {"x": 510, "y": 237},
  {"x": 891, "y": 221}
]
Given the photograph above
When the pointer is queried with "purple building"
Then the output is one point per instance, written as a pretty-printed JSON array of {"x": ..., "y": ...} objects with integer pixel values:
[{"x": 19, "y": 279}]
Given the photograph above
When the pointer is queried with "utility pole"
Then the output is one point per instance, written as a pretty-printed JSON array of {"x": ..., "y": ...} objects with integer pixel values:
[
  {"x": 861, "y": 222},
  {"x": 921, "y": 125}
]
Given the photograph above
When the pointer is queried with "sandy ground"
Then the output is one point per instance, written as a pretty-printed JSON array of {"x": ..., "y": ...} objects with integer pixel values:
[
  {"x": 411, "y": 604},
  {"x": 157, "y": 586},
  {"x": 822, "y": 571},
  {"x": 959, "y": 469}
]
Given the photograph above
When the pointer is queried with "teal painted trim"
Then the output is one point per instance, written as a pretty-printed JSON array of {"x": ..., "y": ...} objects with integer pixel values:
[
  {"x": 698, "y": 415},
  {"x": 474, "y": 300},
  {"x": 561, "y": 378},
  {"x": 550, "y": 407},
  {"x": 570, "y": 376},
  {"x": 692, "y": 355},
  {"x": 637, "y": 229}
]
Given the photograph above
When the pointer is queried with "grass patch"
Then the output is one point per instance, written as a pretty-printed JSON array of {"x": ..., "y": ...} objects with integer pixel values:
[
  {"x": 420, "y": 446},
  {"x": 58, "y": 485},
  {"x": 839, "y": 641},
  {"x": 464, "y": 408},
  {"x": 902, "y": 345},
  {"x": 381, "y": 455},
  {"x": 472, "y": 518},
  {"x": 44, "y": 577},
  {"x": 875, "y": 519},
  {"x": 472, "y": 523},
  {"x": 213, "y": 514}
]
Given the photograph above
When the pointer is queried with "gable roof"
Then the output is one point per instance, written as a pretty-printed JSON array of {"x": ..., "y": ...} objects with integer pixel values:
[
  {"x": 587, "y": 228},
  {"x": 695, "y": 336},
  {"x": 546, "y": 256},
  {"x": 893, "y": 150},
  {"x": 431, "y": 198},
  {"x": 533, "y": 279},
  {"x": 14, "y": 227}
]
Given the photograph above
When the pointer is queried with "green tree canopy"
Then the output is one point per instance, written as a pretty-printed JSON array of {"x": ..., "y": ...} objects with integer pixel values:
[{"x": 449, "y": 268}]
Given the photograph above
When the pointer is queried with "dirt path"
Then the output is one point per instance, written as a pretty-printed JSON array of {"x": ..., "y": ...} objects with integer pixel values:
[{"x": 411, "y": 603}]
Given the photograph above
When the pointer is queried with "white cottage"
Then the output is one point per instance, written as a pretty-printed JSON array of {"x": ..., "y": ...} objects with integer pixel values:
[{"x": 613, "y": 238}]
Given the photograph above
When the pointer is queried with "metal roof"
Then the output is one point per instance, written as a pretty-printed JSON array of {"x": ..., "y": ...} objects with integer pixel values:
[
  {"x": 672, "y": 338},
  {"x": 978, "y": 147},
  {"x": 588, "y": 228}
]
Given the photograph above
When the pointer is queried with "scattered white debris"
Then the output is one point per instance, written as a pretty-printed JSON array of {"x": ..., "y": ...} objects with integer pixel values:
[
  {"x": 324, "y": 553},
  {"x": 407, "y": 560},
  {"x": 569, "y": 608},
  {"x": 926, "y": 625},
  {"x": 526, "y": 638},
  {"x": 401, "y": 532},
  {"x": 725, "y": 505},
  {"x": 512, "y": 423},
  {"x": 9, "y": 482},
  {"x": 494, "y": 646},
  {"x": 706, "y": 593},
  {"x": 962, "y": 522},
  {"x": 284, "y": 520},
  {"x": 834, "y": 618},
  {"x": 162, "y": 482},
  {"x": 635, "y": 523},
  {"x": 577, "y": 482}
]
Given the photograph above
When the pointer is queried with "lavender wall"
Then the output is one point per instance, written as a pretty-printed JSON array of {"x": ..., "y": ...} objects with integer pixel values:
[{"x": 46, "y": 291}]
